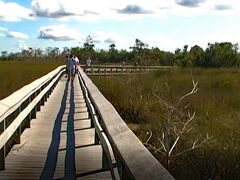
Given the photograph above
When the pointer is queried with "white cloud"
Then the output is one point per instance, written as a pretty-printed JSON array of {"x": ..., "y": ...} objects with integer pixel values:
[
  {"x": 109, "y": 9},
  {"x": 52, "y": 9},
  {"x": 3, "y": 29},
  {"x": 11, "y": 11},
  {"x": 94, "y": 9},
  {"x": 125, "y": 9},
  {"x": 59, "y": 33},
  {"x": 16, "y": 35},
  {"x": 4, "y": 32}
]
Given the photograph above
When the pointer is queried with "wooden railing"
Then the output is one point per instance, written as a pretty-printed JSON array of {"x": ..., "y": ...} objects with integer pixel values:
[
  {"x": 132, "y": 158},
  {"x": 17, "y": 110},
  {"x": 117, "y": 70}
]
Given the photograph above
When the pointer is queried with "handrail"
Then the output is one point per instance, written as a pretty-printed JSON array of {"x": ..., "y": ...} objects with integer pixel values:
[
  {"x": 128, "y": 66},
  {"x": 22, "y": 105},
  {"x": 7, "y": 104},
  {"x": 109, "y": 161},
  {"x": 120, "y": 70},
  {"x": 134, "y": 161}
]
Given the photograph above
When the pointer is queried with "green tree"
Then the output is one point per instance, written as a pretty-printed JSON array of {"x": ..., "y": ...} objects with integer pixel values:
[
  {"x": 197, "y": 56},
  {"x": 221, "y": 54}
]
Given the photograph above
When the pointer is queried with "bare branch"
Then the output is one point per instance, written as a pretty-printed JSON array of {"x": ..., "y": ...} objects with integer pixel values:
[
  {"x": 186, "y": 123},
  {"x": 159, "y": 150},
  {"x": 195, "y": 145},
  {"x": 173, "y": 146},
  {"x": 164, "y": 148},
  {"x": 149, "y": 137},
  {"x": 164, "y": 102},
  {"x": 193, "y": 91}
]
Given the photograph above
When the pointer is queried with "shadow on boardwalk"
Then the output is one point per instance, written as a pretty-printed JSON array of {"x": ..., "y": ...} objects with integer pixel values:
[{"x": 52, "y": 155}]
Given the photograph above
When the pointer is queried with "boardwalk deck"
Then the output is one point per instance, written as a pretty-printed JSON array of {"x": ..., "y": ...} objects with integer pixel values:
[{"x": 60, "y": 142}]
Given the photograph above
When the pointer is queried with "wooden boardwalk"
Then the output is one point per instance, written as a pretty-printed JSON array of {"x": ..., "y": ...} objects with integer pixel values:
[{"x": 60, "y": 143}]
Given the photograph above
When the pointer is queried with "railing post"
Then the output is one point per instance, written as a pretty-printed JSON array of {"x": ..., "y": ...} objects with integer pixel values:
[
  {"x": 18, "y": 135},
  {"x": 28, "y": 120},
  {"x": 92, "y": 70},
  {"x": 96, "y": 139},
  {"x": 3, "y": 150},
  {"x": 99, "y": 70},
  {"x": 2, "y": 158},
  {"x": 92, "y": 123},
  {"x": 29, "y": 117},
  {"x": 17, "y": 139},
  {"x": 46, "y": 96},
  {"x": 34, "y": 110},
  {"x": 105, "y": 164},
  {"x": 122, "y": 170},
  {"x": 43, "y": 98}
]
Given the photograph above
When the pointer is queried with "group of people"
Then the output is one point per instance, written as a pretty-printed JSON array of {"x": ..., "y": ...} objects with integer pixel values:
[{"x": 72, "y": 62}]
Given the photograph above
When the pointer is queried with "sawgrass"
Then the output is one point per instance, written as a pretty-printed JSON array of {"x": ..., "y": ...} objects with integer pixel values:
[
  {"x": 16, "y": 74},
  {"x": 217, "y": 105}
]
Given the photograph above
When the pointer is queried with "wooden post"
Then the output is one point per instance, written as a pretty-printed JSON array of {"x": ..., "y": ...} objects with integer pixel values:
[
  {"x": 96, "y": 140},
  {"x": 122, "y": 170},
  {"x": 39, "y": 106},
  {"x": 42, "y": 101},
  {"x": 18, "y": 131},
  {"x": 2, "y": 158},
  {"x": 34, "y": 112},
  {"x": 119, "y": 165},
  {"x": 3, "y": 150},
  {"x": 28, "y": 120},
  {"x": 46, "y": 96},
  {"x": 105, "y": 164},
  {"x": 91, "y": 121},
  {"x": 18, "y": 135}
]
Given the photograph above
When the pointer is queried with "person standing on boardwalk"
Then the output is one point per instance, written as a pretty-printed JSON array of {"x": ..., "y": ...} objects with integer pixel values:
[
  {"x": 71, "y": 64},
  {"x": 89, "y": 61},
  {"x": 77, "y": 63}
]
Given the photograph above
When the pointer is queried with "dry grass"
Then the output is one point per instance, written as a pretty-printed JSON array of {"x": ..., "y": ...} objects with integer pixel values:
[
  {"x": 16, "y": 74},
  {"x": 216, "y": 104}
]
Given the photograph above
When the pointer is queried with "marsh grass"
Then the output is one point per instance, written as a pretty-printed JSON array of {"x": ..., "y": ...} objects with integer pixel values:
[
  {"x": 217, "y": 107},
  {"x": 16, "y": 74}
]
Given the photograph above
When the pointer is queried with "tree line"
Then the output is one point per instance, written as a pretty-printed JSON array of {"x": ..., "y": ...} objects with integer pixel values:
[{"x": 224, "y": 54}]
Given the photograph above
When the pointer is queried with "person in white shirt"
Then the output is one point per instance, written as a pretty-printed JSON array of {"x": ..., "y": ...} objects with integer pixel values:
[
  {"x": 89, "y": 61},
  {"x": 71, "y": 66},
  {"x": 77, "y": 62}
]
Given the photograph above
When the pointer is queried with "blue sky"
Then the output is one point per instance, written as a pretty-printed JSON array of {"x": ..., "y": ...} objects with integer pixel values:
[{"x": 167, "y": 24}]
